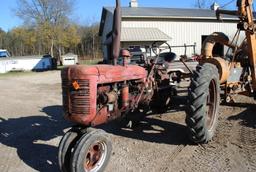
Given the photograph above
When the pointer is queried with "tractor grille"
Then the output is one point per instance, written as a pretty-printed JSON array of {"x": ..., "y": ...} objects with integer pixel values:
[
  {"x": 65, "y": 94},
  {"x": 76, "y": 101}
]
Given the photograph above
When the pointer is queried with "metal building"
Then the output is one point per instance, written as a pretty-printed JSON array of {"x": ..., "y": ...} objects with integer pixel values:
[{"x": 141, "y": 26}]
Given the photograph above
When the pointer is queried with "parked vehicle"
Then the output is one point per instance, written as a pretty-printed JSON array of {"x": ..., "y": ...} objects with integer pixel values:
[{"x": 4, "y": 53}]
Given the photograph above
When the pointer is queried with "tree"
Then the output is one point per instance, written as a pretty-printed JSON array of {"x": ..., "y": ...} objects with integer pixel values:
[
  {"x": 18, "y": 38},
  {"x": 41, "y": 11},
  {"x": 51, "y": 15},
  {"x": 2, "y": 35},
  {"x": 48, "y": 29},
  {"x": 68, "y": 39},
  {"x": 90, "y": 44},
  {"x": 25, "y": 40}
]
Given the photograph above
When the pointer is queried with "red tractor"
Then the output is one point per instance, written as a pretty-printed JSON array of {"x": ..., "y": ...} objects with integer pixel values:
[{"x": 93, "y": 95}]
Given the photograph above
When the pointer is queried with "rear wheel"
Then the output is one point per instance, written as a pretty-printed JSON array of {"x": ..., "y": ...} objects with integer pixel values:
[{"x": 203, "y": 103}]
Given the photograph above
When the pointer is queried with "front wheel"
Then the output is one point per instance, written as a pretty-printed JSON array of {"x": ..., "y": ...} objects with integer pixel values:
[
  {"x": 92, "y": 152},
  {"x": 203, "y": 103},
  {"x": 66, "y": 145}
]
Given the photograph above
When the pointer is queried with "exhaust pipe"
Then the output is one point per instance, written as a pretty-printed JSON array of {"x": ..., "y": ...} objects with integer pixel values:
[
  {"x": 116, "y": 32},
  {"x": 210, "y": 41}
]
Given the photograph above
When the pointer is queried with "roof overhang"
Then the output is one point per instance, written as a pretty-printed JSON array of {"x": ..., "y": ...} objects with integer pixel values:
[{"x": 143, "y": 35}]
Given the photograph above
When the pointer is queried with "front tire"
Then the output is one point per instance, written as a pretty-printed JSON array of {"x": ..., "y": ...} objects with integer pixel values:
[
  {"x": 66, "y": 145},
  {"x": 92, "y": 152},
  {"x": 203, "y": 103}
]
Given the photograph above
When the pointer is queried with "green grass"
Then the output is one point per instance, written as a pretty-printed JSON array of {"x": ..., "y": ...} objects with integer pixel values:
[
  {"x": 60, "y": 67},
  {"x": 90, "y": 62}
]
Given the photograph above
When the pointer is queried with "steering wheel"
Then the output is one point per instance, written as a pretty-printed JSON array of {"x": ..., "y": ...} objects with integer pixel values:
[{"x": 154, "y": 45}]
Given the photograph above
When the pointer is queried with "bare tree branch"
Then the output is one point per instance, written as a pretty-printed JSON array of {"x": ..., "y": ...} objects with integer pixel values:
[
  {"x": 203, "y": 4},
  {"x": 40, "y": 11}
]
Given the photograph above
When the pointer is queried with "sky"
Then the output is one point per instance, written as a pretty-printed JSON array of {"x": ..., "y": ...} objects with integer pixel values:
[{"x": 89, "y": 11}]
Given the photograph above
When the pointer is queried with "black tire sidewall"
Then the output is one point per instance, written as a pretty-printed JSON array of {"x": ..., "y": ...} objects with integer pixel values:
[
  {"x": 197, "y": 98},
  {"x": 82, "y": 147},
  {"x": 64, "y": 150}
]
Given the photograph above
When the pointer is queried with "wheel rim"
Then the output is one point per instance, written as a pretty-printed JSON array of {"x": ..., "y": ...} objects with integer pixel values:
[
  {"x": 211, "y": 105},
  {"x": 95, "y": 156}
]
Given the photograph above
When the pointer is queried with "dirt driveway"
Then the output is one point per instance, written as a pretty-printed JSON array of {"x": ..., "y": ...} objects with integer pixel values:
[{"x": 31, "y": 126}]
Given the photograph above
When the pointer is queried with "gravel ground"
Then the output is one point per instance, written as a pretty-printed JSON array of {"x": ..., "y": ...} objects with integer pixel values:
[{"x": 31, "y": 126}]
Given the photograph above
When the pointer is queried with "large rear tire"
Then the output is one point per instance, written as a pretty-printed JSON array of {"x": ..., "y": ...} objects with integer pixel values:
[{"x": 203, "y": 103}]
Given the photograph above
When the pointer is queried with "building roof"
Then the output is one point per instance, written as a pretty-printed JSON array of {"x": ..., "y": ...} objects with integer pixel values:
[
  {"x": 156, "y": 12},
  {"x": 164, "y": 13},
  {"x": 143, "y": 35}
]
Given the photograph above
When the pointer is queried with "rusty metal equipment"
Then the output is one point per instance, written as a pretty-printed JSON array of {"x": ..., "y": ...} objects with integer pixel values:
[
  {"x": 234, "y": 74},
  {"x": 93, "y": 95}
]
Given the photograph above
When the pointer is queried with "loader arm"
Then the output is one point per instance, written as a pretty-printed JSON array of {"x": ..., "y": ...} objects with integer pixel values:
[{"x": 245, "y": 14}]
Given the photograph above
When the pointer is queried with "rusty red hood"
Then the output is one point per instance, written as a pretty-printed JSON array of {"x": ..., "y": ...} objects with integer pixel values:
[{"x": 107, "y": 73}]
